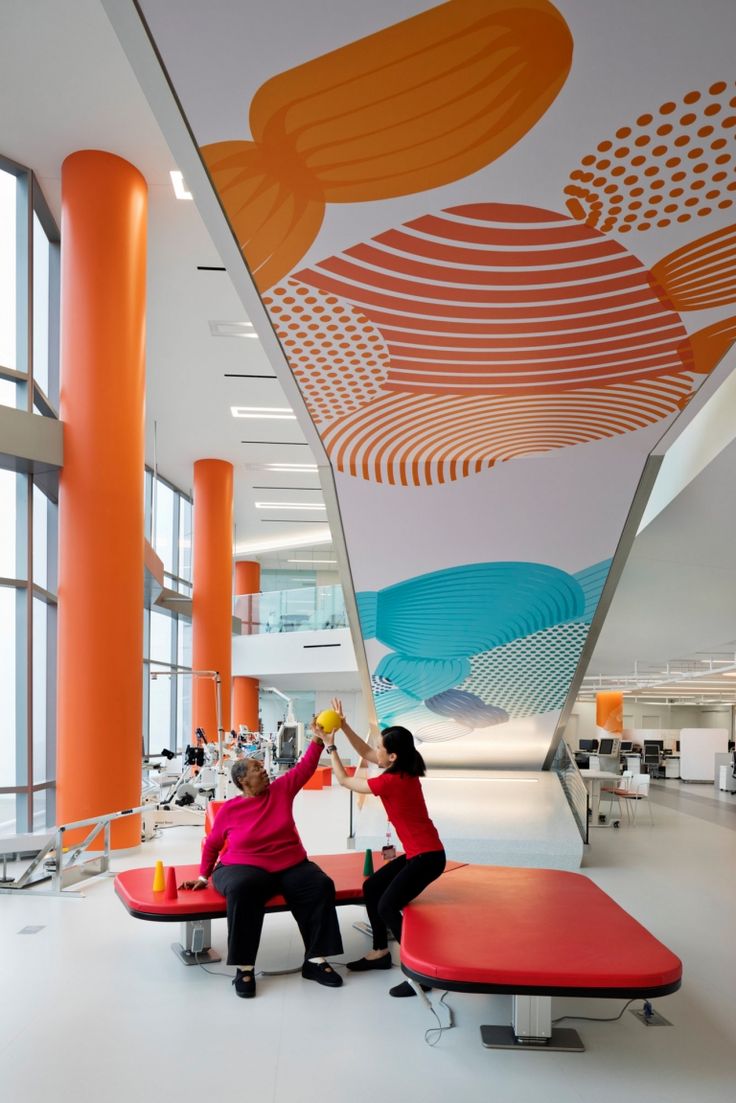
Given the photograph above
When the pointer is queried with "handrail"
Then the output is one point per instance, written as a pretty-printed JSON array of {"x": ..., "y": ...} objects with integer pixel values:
[{"x": 67, "y": 867}]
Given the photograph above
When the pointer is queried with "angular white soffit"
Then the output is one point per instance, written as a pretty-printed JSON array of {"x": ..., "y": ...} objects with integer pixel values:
[{"x": 709, "y": 432}]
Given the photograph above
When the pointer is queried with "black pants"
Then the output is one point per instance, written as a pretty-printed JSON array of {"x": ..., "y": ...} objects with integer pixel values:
[
  {"x": 391, "y": 888},
  {"x": 309, "y": 893}
]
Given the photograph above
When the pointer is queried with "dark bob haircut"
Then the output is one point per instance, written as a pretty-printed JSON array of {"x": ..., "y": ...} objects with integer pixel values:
[{"x": 400, "y": 741}]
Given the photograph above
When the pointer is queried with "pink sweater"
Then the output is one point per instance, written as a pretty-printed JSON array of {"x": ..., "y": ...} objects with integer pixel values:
[{"x": 260, "y": 831}]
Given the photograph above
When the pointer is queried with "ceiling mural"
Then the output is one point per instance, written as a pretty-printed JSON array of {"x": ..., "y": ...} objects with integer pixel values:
[{"x": 496, "y": 285}]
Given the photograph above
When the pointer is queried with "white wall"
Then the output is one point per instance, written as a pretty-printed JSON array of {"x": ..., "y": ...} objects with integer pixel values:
[{"x": 272, "y": 654}]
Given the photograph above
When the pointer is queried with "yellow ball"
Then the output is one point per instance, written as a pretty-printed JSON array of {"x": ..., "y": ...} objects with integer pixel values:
[{"x": 329, "y": 721}]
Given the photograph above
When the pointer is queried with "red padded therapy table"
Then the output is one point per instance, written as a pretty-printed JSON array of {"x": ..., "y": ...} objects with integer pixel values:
[
  {"x": 195, "y": 910},
  {"x": 497, "y": 929}
]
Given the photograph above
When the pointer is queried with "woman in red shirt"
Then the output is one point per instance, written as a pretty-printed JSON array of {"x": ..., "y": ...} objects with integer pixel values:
[{"x": 398, "y": 882}]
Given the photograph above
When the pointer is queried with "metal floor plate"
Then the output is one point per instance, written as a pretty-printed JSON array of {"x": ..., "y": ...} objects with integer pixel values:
[{"x": 563, "y": 1040}]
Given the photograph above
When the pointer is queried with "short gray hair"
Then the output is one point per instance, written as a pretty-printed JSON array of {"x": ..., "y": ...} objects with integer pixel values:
[{"x": 240, "y": 769}]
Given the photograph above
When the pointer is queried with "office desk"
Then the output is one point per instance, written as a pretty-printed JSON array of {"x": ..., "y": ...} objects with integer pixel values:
[{"x": 593, "y": 779}]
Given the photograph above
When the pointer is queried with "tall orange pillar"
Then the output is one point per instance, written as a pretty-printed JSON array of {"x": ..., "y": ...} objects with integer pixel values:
[
  {"x": 245, "y": 689},
  {"x": 609, "y": 711},
  {"x": 100, "y": 615},
  {"x": 212, "y": 601}
]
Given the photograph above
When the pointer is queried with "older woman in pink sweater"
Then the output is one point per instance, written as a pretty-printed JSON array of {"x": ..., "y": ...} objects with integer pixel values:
[{"x": 264, "y": 856}]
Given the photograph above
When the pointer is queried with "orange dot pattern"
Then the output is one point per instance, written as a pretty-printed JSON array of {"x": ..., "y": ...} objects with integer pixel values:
[
  {"x": 669, "y": 167},
  {"x": 338, "y": 357}
]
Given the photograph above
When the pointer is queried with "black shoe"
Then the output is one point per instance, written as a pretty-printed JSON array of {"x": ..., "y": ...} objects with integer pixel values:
[
  {"x": 363, "y": 964},
  {"x": 322, "y": 972},
  {"x": 245, "y": 983},
  {"x": 405, "y": 989}
]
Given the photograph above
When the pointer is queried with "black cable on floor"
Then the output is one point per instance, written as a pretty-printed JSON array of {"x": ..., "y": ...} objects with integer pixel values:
[
  {"x": 592, "y": 1019},
  {"x": 439, "y": 1030}
]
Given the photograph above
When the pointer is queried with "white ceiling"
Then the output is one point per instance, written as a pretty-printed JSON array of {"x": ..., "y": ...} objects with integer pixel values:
[{"x": 71, "y": 87}]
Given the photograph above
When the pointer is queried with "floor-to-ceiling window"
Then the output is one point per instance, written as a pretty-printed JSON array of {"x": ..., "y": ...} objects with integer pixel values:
[
  {"x": 167, "y": 640},
  {"x": 29, "y": 381}
]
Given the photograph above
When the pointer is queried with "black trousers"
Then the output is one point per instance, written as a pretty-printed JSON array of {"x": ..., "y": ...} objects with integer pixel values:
[
  {"x": 391, "y": 888},
  {"x": 309, "y": 893}
]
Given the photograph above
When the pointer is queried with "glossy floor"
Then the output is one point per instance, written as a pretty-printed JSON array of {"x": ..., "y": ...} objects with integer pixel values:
[{"x": 96, "y": 1004}]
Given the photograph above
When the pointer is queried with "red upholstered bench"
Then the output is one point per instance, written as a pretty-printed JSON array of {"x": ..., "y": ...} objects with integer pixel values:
[
  {"x": 496, "y": 929},
  {"x": 195, "y": 910}
]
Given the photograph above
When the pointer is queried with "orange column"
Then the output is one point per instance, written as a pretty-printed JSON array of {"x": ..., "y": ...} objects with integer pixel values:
[
  {"x": 100, "y": 625},
  {"x": 609, "y": 712},
  {"x": 245, "y": 689},
  {"x": 212, "y": 601}
]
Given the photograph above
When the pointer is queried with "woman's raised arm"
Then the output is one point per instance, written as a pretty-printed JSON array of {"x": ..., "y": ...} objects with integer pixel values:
[{"x": 364, "y": 749}]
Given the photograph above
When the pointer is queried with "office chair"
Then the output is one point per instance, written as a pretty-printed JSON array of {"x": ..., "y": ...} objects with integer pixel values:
[{"x": 652, "y": 759}]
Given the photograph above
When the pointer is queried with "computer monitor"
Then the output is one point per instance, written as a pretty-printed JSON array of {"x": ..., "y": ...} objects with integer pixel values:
[
  {"x": 607, "y": 746},
  {"x": 588, "y": 744},
  {"x": 627, "y": 746},
  {"x": 654, "y": 743}
]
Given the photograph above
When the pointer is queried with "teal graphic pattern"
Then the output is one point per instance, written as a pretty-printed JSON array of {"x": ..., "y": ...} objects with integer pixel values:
[{"x": 476, "y": 645}]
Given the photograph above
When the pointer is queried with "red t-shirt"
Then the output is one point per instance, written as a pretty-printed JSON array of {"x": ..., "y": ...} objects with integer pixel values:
[{"x": 403, "y": 799}]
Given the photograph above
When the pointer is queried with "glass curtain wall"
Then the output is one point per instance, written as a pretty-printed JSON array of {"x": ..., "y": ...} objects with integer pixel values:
[
  {"x": 167, "y": 639},
  {"x": 29, "y": 381}
]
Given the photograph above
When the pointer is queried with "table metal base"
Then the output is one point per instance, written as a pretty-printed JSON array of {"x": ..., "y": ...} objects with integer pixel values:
[
  {"x": 192, "y": 957},
  {"x": 562, "y": 1040}
]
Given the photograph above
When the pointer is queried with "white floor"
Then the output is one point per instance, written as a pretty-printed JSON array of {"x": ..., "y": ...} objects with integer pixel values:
[{"x": 96, "y": 1005}]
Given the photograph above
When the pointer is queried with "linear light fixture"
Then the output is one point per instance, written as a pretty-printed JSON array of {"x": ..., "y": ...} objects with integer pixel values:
[
  {"x": 232, "y": 329},
  {"x": 264, "y": 413},
  {"x": 289, "y": 466},
  {"x": 180, "y": 190},
  {"x": 283, "y": 543},
  {"x": 290, "y": 505},
  {"x": 332, "y": 562}
]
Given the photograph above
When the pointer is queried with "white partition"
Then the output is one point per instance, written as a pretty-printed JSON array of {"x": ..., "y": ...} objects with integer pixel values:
[
  {"x": 491, "y": 817},
  {"x": 698, "y": 748}
]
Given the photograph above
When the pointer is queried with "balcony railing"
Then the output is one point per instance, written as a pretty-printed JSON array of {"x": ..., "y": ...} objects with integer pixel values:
[{"x": 308, "y": 609}]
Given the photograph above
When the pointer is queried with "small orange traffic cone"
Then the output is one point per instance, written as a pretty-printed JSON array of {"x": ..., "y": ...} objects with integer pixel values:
[{"x": 158, "y": 878}]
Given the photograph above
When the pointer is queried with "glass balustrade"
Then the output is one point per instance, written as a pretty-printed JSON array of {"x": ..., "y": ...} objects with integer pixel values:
[
  {"x": 573, "y": 786},
  {"x": 308, "y": 609}
]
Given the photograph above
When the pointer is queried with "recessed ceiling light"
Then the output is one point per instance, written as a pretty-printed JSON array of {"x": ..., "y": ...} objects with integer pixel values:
[
  {"x": 264, "y": 413},
  {"x": 233, "y": 329},
  {"x": 177, "y": 180},
  {"x": 333, "y": 562},
  {"x": 290, "y": 505}
]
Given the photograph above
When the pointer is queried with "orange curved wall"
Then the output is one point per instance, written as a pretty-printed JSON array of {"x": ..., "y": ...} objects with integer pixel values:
[
  {"x": 100, "y": 626},
  {"x": 212, "y": 590}
]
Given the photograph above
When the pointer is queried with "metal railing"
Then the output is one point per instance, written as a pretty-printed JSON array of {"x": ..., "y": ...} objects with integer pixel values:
[
  {"x": 68, "y": 865},
  {"x": 573, "y": 786}
]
